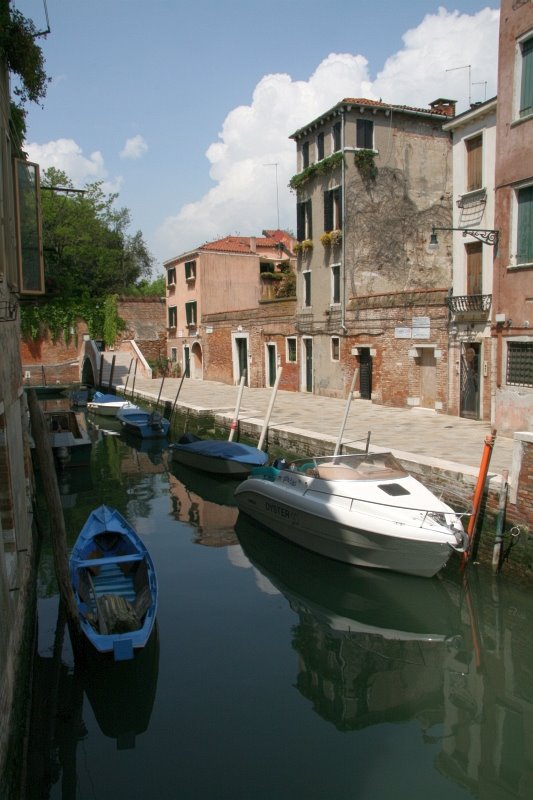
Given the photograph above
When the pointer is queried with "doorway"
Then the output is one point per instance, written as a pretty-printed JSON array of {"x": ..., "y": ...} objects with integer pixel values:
[
  {"x": 240, "y": 359},
  {"x": 187, "y": 361},
  {"x": 365, "y": 373},
  {"x": 428, "y": 378},
  {"x": 307, "y": 364},
  {"x": 470, "y": 380},
  {"x": 271, "y": 364}
]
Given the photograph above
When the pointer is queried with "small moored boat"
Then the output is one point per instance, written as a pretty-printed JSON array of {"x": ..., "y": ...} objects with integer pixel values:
[
  {"x": 217, "y": 455},
  {"x": 147, "y": 424},
  {"x": 114, "y": 583},
  {"x": 362, "y": 509},
  {"x": 108, "y": 404},
  {"x": 69, "y": 438}
]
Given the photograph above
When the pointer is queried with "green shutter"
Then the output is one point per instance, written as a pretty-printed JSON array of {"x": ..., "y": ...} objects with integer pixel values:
[
  {"x": 526, "y": 93},
  {"x": 525, "y": 226}
]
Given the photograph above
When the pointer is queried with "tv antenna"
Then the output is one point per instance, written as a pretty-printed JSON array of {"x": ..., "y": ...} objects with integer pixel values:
[
  {"x": 469, "y": 68},
  {"x": 481, "y": 83},
  {"x": 275, "y": 164}
]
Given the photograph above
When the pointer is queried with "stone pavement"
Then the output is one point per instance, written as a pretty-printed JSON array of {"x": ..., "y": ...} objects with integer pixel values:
[{"x": 423, "y": 433}]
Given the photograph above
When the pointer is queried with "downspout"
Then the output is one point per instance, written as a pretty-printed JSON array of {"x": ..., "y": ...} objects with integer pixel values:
[{"x": 343, "y": 248}]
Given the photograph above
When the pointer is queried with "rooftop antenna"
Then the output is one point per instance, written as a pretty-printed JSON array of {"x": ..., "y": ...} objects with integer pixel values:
[
  {"x": 481, "y": 83},
  {"x": 47, "y": 31},
  {"x": 469, "y": 68},
  {"x": 275, "y": 164}
]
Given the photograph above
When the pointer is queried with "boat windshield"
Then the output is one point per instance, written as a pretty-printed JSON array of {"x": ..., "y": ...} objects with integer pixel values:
[{"x": 352, "y": 467}]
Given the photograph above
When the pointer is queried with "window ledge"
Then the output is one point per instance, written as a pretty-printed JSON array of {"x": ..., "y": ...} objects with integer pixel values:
[
  {"x": 520, "y": 120},
  {"x": 516, "y": 267}
]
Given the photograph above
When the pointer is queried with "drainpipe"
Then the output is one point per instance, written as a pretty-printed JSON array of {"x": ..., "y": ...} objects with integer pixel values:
[{"x": 343, "y": 248}]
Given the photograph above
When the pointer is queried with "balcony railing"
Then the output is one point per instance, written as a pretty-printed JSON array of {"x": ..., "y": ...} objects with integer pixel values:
[{"x": 465, "y": 304}]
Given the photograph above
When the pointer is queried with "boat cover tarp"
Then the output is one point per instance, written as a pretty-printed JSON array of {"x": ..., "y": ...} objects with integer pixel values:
[{"x": 229, "y": 451}]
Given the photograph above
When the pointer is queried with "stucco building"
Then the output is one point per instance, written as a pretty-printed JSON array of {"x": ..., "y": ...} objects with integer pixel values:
[
  {"x": 230, "y": 309},
  {"x": 513, "y": 265},
  {"x": 470, "y": 302},
  {"x": 373, "y": 178}
]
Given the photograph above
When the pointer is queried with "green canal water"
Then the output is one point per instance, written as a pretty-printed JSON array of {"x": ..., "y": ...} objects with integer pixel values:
[{"x": 274, "y": 674}]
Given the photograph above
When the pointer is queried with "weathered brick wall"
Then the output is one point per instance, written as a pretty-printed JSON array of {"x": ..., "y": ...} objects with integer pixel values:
[
  {"x": 145, "y": 318},
  {"x": 45, "y": 361}
]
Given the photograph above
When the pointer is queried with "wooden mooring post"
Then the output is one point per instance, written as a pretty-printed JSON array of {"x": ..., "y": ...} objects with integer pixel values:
[{"x": 58, "y": 533}]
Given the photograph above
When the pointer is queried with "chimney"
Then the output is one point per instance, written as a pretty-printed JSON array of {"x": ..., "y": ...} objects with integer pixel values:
[
  {"x": 444, "y": 106},
  {"x": 253, "y": 247}
]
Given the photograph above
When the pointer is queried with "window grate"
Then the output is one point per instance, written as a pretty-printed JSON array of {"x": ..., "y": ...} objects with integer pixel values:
[{"x": 520, "y": 364}]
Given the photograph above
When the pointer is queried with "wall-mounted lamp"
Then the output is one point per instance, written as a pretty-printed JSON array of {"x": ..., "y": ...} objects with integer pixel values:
[{"x": 486, "y": 236}]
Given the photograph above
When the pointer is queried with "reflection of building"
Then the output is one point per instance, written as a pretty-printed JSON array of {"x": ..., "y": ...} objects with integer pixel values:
[{"x": 214, "y": 522}]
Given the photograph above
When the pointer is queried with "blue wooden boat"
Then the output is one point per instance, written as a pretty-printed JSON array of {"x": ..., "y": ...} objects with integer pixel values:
[
  {"x": 147, "y": 424},
  {"x": 217, "y": 455},
  {"x": 114, "y": 583}
]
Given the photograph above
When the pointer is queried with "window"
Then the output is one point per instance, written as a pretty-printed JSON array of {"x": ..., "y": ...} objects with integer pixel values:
[
  {"x": 171, "y": 276},
  {"x": 520, "y": 363},
  {"x": 305, "y": 155},
  {"x": 172, "y": 316},
  {"x": 190, "y": 270},
  {"x": 526, "y": 83},
  {"x": 335, "y": 348},
  {"x": 335, "y": 284},
  {"x": 303, "y": 221},
  {"x": 307, "y": 289},
  {"x": 173, "y": 355},
  {"x": 524, "y": 231},
  {"x": 290, "y": 353},
  {"x": 336, "y": 134},
  {"x": 30, "y": 251},
  {"x": 190, "y": 314},
  {"x": 474, "y": 264},
  {"x": 320, "y": 147},
  {"x": 474, "y": 163},
  {"x": 365, "y": 134},
  {"x": 333, "y": 209}
]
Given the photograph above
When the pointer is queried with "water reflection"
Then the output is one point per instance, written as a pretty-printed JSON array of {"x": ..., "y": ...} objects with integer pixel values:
[
  {"x": 206, "y": 502},
  {"x": 448, "y": 654}
]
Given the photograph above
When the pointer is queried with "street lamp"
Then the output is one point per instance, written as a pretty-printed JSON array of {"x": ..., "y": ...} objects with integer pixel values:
[{"x": 486, "y": 236}]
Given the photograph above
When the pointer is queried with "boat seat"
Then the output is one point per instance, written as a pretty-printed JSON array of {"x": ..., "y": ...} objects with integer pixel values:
[
  {"x": 338, "y": 472},
  {"x": 99, "y": 562}
]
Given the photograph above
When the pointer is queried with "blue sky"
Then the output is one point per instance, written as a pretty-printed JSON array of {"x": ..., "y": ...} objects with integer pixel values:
[{"x": 178, "y": 106}]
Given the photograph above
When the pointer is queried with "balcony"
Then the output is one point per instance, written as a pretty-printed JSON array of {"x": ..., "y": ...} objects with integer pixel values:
[{"x": 471, "y": 305}]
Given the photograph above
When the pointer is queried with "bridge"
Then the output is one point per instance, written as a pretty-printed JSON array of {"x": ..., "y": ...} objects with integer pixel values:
[{"x": 111, "y": 368}]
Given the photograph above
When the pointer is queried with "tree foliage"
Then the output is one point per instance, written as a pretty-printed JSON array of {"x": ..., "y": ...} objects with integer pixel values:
[{"x": 90, "y": 259}]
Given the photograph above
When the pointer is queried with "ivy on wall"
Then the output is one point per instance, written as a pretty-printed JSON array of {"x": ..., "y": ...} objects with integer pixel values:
[{"x": 320, "y": 168}]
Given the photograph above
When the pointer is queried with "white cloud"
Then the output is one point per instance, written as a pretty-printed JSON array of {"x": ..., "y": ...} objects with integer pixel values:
[
  {"x": 66, "y": 155},
  {"x": 244, "y": 197},
  {"x": 134, "y": 147}
]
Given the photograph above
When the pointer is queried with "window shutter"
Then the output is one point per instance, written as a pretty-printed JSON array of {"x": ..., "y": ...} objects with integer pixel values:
[
  {"x": 328, "y": 211},
  {"x": 474, "y": 261},
  {"x": 474, "y": 155},
  {"x": 300, "y": 222},
  {"x": 525, "y": 226},
  {"x": 526, "y": 92}
]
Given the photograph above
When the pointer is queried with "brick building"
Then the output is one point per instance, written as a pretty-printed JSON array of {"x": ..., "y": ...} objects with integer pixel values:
[
  {"x": 513, "y": 265},
  {"x": 230, "y": 309}
]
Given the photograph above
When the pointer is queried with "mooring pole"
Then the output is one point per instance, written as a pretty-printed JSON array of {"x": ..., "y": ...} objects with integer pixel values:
[
  {"x": 177, "y": 394},
  {"x": 58, "y": 533},
  {"x": 269, "y": 410},
  {"x": 478, "y": 493},
  {"x": 346, "y": 412},
  {"x": 237, "y": 409},
  {"x": 498, "y": 539}
]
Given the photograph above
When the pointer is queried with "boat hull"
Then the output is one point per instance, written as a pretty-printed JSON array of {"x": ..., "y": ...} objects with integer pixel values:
[
  {"x": 114, "y": 583},
  {"x": 343, "y": 533},
  {"x": 146, "y": 424}
]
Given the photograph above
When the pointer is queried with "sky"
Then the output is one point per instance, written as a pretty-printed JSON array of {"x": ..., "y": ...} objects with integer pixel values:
[{"x": 185, "y": 109}]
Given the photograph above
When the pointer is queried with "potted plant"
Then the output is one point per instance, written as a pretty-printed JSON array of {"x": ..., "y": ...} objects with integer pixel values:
[
  {"x": 336, "y": 237},
  {"x": 326, "y": 238}
]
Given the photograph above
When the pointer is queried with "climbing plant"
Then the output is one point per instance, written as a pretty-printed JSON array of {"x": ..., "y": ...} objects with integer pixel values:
[{"x": 322, "y": 167}]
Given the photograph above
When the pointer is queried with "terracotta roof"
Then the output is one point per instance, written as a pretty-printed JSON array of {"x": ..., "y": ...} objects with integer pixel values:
[
  {"x": 242, "y": 244},
  {"x": 437, "y": 111}
]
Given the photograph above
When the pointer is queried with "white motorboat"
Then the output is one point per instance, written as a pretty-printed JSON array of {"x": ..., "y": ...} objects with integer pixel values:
[
  {"x": 362, "y": 509},
  {"x": 108, "y": 405}
]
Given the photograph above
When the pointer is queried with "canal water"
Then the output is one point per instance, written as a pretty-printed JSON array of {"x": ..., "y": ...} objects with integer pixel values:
[{"x": 274, "y": 674}]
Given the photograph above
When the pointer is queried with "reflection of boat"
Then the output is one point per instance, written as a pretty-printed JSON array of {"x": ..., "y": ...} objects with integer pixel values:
[
  {"x": 363, "y": 509},
  {"x": 217, "y": 455},
  {"x": 215, "y": 489},
  {"x": 71, "y": 444},
  {"x": 79, "y": 398},
  {"x": 373, "y": 647},
  {"x": 115, "y": 584},
  {"x": 108, "y": 404},
  {"x": 347, "y": 598},
  {"x": 122, "y": 697},
  {"x": 147, "y": 424}
]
